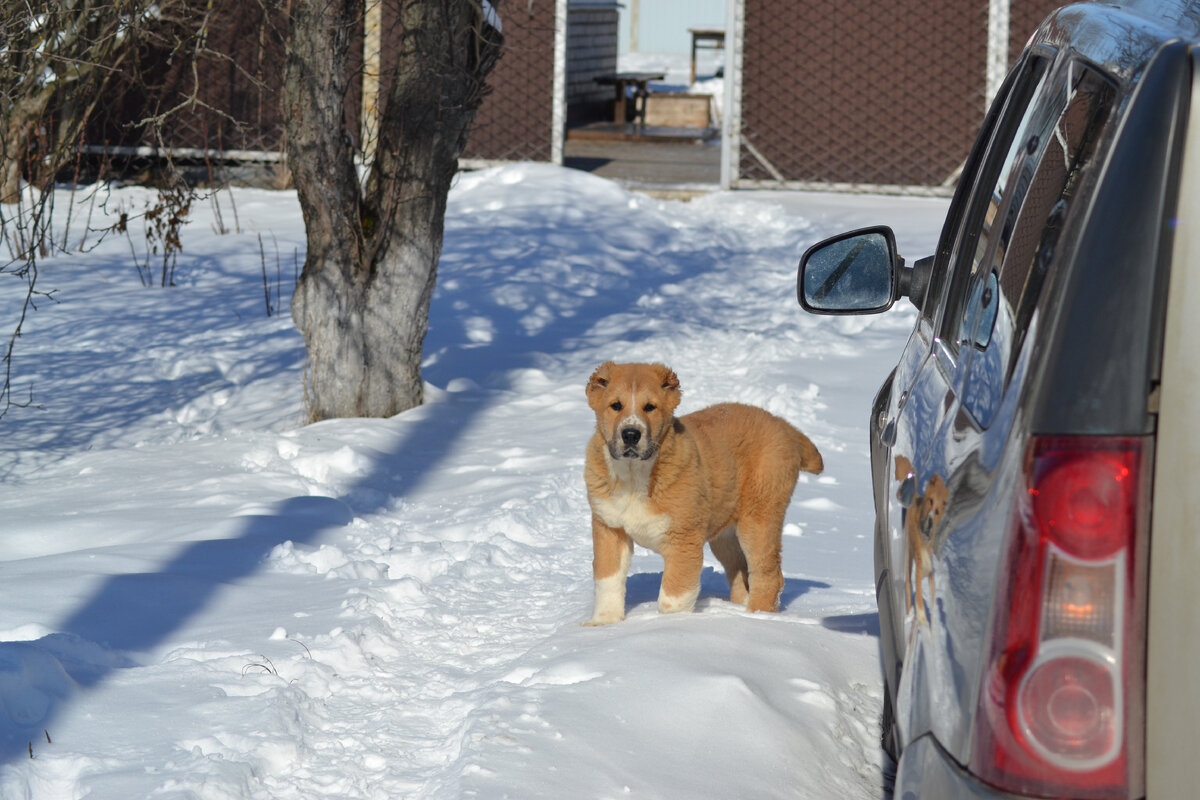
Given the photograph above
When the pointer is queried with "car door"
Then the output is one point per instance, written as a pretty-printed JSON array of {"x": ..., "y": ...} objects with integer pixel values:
[
  {"x": 956, "y": 497},
  {"x": 918, "y": 427}
]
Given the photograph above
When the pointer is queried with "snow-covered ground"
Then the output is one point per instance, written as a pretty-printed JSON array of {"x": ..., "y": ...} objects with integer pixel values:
[{"x": 202, "y": 598}]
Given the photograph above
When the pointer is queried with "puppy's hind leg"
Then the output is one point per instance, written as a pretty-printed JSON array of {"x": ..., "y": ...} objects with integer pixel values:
[
  {"x": 728, "y": 550},
  {"x": 761, "y": 540},
  {"x": 682, "y": 566}
]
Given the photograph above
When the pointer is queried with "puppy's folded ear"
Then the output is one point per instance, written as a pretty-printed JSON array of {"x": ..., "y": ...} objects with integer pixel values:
[
  {"x": 670, "y": 384},
  {"x": 600, "y": 378}
]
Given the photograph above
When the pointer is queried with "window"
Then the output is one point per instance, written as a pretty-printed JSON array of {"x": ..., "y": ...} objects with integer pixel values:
[
  {"x": 1038, "y": 181},
  {"x": 984, "y": 195}
]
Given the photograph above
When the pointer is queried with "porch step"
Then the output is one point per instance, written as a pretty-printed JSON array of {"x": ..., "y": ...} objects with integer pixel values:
[{"x": 636, "y": 132}]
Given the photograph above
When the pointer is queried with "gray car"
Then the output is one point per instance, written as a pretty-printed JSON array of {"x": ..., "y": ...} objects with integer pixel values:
[{"x": 1036, "y": 450}]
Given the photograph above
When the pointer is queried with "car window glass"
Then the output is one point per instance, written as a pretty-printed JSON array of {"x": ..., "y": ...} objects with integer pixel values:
[
  {"x": 999, "y": 216},
  {"x": 1015, "y": 91},
  {"x": 1058, "y": 143},
  {"x": 974, "y": 235}
]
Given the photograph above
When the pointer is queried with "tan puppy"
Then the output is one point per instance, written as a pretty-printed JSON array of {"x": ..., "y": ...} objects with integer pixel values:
[
  {"x": 723, "y": 475},
  {"x": 920, "y": 525}
]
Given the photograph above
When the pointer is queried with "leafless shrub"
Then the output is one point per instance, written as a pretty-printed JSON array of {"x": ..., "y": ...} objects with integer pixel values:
[{"x": 59, "y": 61}]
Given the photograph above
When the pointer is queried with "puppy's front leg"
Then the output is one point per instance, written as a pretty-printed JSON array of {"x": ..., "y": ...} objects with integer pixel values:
[
  {"x": 612, "y": 551},
  {"x": 681, "y": 578}
]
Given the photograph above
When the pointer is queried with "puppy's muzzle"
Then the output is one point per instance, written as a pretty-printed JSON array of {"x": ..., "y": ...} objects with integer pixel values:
[
  {"x": 631, "y": 442},
  {"x": 926, "y": 525}
]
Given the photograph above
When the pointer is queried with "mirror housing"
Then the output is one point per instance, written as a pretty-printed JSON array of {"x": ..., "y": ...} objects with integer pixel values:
[
  {"x": 859, "y": 272},
  {"x": 914, "y": 282}
]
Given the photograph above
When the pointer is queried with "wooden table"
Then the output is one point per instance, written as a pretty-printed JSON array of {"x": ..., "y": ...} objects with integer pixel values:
[
  {"x": 622, "y": 81},
  {"x": 705, "y": 39}
]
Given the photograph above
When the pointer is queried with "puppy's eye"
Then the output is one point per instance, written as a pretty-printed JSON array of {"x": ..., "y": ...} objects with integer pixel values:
[
  {"x": 616, "y": 406},
  {"x": 648, "y": 407}
]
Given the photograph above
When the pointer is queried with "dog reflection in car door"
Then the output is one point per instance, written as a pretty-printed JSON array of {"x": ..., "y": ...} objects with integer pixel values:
[{"x": 922, "y": 514}]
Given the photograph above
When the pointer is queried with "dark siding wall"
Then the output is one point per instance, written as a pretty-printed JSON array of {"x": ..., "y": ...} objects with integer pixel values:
[{"x": 591, "y": 52}]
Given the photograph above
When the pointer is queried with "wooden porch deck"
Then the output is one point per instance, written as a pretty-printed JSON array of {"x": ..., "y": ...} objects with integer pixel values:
[{"x": 666, "y": 164}]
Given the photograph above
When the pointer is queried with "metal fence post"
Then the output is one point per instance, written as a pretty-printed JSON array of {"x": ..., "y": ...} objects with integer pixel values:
[
  {"x": 731, "y": 114},
  {"x": 999, "y": 27},
  {"x": 558, "y": 114}
]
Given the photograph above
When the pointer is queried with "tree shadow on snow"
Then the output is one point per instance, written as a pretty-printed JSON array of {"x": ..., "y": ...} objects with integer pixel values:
[
  {"x": 135, "y": 612},
  {"x": 158, "y": 375}
]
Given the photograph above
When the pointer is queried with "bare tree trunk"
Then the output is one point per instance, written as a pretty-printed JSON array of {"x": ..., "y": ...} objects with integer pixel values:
[
  {"x": 10, "y": 170},
  {"x": 69, "y": 49},
  {"x": 362, "y": 302},
  {"x": 21, "y": 116}
]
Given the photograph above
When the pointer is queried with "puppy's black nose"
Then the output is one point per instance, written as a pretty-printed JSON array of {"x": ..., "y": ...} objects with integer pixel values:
[{"x": 631, "y": 436}]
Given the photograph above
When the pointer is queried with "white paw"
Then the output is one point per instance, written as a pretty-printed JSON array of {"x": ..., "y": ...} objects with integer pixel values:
[
  {"x": 672, "y": 604},
  {"x": 609, "y": 605}
]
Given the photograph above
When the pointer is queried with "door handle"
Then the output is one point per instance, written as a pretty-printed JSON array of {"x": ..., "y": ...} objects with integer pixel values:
[
  {"x": 888, "y": 435},
  {"x": 887, "y": 432}
]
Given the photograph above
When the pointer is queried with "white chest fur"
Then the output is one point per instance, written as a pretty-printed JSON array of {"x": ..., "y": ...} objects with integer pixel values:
[{"x": 628, "y": 506}]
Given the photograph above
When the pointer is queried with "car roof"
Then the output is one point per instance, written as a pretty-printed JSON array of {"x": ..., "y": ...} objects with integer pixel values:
[
  {"x": 1121, "y": 37},
  {"x": 1180, "y": 16}
]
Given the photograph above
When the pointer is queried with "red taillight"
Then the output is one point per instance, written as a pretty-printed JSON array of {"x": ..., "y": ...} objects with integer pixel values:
[
  {"x": 1069, "y": 708},
  {"x": 1084, "y": 499},
  {"x": 1061, "y": 703}
]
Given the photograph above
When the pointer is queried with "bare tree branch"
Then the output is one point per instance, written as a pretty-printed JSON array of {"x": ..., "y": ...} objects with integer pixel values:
[{"x": 59, "y": 59}]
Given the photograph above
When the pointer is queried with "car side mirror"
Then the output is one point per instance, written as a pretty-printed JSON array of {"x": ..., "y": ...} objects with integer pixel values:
[
  {"x": 853, "y": 273},
  {"x": 859, "y": 272}
]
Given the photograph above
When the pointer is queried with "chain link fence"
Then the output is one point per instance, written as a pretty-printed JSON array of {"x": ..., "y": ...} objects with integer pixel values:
[
  {"x": 220, "y": 111},
  {"x": 854, "y": 94},
  {"x": 867, "y": 94},
  {"x": 517, "y": 119},
  {"x": 207, "y": 106}
]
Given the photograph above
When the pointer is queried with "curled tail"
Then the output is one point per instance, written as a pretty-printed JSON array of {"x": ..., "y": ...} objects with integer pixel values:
[{"x": 810, "y": 457}]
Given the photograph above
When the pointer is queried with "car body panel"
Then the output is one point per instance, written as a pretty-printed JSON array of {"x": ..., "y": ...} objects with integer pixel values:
[
  {"x": 1106, "y": 305},
  {"x": 960, "y": 441},
  {"x": 1088, "y": 345},
  {"x": 931, "y": 772},
  {"x": 1173, "y": 693}
]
